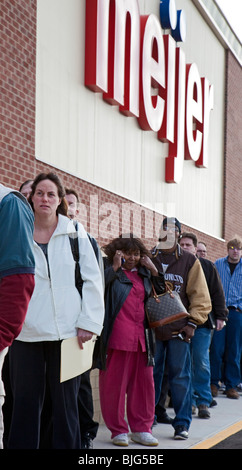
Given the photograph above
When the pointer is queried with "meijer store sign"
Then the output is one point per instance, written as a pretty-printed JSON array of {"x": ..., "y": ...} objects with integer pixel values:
[{"x": 144, "y": 72}]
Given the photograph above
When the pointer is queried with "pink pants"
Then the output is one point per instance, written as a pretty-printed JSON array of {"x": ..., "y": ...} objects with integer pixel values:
[{"x": 127, "y": 373}]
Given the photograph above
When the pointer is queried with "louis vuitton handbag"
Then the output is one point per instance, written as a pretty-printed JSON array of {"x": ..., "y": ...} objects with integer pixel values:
[{"x": 164, "y": 308}]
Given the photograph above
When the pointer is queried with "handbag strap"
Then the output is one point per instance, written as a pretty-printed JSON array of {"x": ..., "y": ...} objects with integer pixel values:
[
  {"x": 154, "y": 292},
  {"x": 168, "y": 289}
]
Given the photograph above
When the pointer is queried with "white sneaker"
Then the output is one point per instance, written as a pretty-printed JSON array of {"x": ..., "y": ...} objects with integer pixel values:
[
  {"x": 121, "y": 440},
  {"x": 144, "y": 438}
]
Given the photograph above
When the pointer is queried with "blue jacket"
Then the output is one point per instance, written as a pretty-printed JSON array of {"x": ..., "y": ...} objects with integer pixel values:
[
  {"x": 232, "y": 285},
  {"x": 16, "y": 240}
]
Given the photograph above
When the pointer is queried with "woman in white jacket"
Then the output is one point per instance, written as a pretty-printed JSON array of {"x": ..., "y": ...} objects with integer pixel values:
[{"x": 56, "y": 312}]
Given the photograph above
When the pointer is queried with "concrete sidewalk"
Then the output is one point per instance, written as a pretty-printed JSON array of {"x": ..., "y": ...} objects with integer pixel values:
[{"x": 226, "y": 418}]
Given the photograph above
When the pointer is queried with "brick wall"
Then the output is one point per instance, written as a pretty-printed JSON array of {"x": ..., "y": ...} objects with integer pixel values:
[
  {"x": 17, "y": 136},
  {"x": 17, "y": 90},
  {"x": 17, "y": 123},
  {"x": 233, "y": 150}
]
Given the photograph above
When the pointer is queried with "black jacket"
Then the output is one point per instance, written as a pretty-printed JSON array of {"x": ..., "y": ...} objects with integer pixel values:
[
  {"x": 219, "y": 309},
  {"x": 117, "y": 289}
]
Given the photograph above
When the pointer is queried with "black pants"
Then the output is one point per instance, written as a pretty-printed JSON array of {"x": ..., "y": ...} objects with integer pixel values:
[
  {"x": 85, "y": 406},
  {"x": 32, "y": 366},
  {"x": 160, "y": 408}
]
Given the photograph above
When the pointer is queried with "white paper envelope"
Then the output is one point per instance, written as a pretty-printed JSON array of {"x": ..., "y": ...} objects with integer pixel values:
[{"x": 74, "y": 360}]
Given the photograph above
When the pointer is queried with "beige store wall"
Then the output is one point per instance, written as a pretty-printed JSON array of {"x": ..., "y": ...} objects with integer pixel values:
[{"x": 78, "y": 132}]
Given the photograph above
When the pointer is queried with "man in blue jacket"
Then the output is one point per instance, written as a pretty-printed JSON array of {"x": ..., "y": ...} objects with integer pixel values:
[
  {"x": 16, "y": 271},
  {"x": 226, "y": 344}
]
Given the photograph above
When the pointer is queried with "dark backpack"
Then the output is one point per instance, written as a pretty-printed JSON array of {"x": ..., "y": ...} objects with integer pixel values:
[{"x": 75, "y": 252}]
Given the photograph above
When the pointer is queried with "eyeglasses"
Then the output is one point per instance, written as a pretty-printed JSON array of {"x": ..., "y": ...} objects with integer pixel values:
[
  {"x": 234, "y": 248},
  {"x": 171, "y": 228}
]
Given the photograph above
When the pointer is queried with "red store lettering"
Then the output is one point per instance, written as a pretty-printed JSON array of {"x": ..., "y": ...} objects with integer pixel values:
[{"x": 136, "y": 67}]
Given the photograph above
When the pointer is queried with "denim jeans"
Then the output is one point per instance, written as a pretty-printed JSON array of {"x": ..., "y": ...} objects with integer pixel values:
[
  {"x": 201, "y": 391},
  {"x": 177, "y": 353},
  {"x": 225, "y": 352}
]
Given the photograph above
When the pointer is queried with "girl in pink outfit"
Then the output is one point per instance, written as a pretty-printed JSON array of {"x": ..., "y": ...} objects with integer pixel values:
[{"x": 124, "y": 351}]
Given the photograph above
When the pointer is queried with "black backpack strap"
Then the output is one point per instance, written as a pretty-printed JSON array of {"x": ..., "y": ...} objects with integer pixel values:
[
  {"x": 74, "y": 246},
  {"x": 75, "y": 252},
  {"x": 94, "y": 245}
]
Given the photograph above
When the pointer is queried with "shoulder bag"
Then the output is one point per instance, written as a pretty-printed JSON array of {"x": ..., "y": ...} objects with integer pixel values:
[{"x": 165, "y": 308}]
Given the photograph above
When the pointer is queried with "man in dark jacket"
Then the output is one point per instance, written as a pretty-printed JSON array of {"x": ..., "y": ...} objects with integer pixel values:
[
  {"x": 201, "y": 391},
  {"x": 184, "y": 273},
  {"x": 16, "y": 271}
]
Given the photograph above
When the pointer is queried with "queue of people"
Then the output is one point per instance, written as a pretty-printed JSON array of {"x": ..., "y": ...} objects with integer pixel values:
[{"x": 138, "y": 366}]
